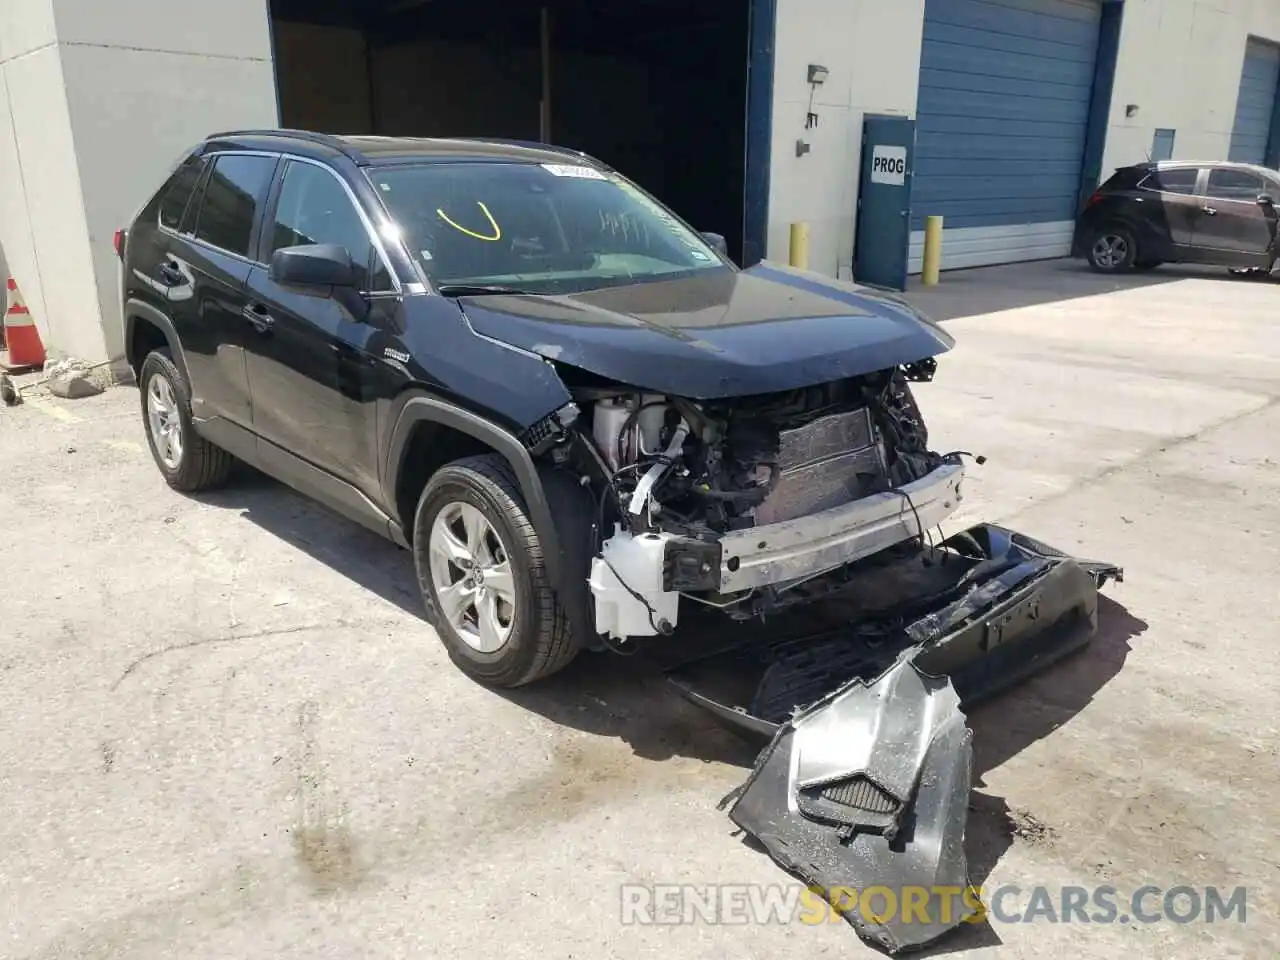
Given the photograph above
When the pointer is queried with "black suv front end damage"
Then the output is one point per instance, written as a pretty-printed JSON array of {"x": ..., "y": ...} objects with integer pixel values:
[{"x": 865, "y": 780}]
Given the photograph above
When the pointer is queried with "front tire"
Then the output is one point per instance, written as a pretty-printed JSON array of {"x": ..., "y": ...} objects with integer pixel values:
[
  {"x": 1113, "y": 250},
  {"x": 483, "y": 577},
  {"x": 188, "y": 462}
]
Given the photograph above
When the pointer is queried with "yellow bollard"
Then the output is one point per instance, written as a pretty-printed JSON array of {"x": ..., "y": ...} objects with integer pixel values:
[
  {"x": 800, "y": 245},
  {"x": 932, "y": 250}
]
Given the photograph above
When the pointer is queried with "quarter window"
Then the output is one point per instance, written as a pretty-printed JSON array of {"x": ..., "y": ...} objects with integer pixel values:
[
  {"x": 1235, "y": 185},
  {"x": 178, "y": 192},
  {"x": 235, "y": 189},
  {"x": 314, "y": 208}
]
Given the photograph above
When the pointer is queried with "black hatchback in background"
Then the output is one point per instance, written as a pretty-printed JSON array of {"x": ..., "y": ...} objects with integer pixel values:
[{"x": 1181, "y": 212}]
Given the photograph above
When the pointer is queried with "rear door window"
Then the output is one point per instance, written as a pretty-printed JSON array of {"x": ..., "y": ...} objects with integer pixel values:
[
  {"x": 1180, "y": 180},
  {"x": 234, "y": 192},
  {"x": 1226, "y": 184},
  {"x": 177, "y": 192}
]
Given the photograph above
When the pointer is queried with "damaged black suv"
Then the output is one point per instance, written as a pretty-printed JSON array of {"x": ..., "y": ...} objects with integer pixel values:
[
  {"x": 582, "y": 418},
  {"x": 577, "y": 413}
]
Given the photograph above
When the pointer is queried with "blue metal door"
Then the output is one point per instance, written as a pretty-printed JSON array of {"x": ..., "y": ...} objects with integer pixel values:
[
  {"x": 1256, "y": 103},
  {"x": 1003, "y": 113},
  {"x": 884, "y": 202}
]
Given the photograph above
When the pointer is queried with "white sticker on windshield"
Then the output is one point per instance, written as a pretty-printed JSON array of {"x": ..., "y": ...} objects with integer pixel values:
[
  {"x": 698, "y": 255},
  {"x": 426, "y": 254},
  {"x": 566, "y": 170}
]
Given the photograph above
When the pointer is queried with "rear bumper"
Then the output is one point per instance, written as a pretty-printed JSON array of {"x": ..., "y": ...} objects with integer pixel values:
[{"x": 794, "y": 549}]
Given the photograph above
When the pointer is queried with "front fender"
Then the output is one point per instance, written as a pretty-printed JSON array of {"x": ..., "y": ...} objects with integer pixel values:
[{"x": 430, "y": 409}]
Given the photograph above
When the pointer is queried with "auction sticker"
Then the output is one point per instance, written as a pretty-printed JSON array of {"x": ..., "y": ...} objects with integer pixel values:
[{"x": 568, "y": 170}]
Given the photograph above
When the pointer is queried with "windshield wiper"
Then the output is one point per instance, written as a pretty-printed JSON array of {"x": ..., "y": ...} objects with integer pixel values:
[{"x": 475, "y": 290}]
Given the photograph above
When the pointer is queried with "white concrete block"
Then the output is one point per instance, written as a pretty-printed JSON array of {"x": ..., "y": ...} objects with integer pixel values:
[
  {"x": 111, "y": 91},
  {"x": 223, "y": 28},
  {"x": 25, "y": 25},
  {"x": 19, "y": 249},
  {"x": 47, "y": 154}
]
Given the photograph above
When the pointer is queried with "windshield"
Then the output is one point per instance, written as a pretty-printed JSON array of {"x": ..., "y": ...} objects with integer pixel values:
[{"x": 539, "y": 228}]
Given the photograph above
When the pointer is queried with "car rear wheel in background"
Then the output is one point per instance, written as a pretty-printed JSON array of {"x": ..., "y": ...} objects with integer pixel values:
[
  {"x": 1113, "y": 250},
  {"x": 188, "y": 462},
  {"x": 483, "y": 577}
]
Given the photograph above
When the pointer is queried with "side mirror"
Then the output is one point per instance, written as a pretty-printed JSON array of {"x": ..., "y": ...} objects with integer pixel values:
[
  {"x": 718, "y": 242},
  {"x": 1266, "y": 200},
  {"x": 319, "y": 265}
]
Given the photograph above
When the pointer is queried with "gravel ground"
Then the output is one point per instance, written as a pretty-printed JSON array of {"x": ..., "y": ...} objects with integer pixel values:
[{"x": 229, "y": 733}]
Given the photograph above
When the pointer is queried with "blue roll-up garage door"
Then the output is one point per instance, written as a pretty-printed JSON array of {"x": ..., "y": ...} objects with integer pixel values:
[
  {"x": 1256, "y": 103},
  {"x": 1005, "y": 88}
]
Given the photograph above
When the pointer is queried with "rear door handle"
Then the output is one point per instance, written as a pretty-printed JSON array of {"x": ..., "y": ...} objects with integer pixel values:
[
  {"x": 1211, "y": 211},
  {"x": 258, "y": 317}
]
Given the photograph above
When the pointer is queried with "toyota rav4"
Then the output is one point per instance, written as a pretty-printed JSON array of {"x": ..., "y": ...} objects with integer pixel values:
[{"x": 581, "y": 418}]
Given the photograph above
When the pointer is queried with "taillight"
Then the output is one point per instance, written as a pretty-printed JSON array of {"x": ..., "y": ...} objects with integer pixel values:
[
  {"x": 1096, "y": 198},
  {"x": 118, "y": 241}
]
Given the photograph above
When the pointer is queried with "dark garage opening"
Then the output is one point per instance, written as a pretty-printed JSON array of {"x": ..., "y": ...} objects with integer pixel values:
[{"x": 655, "y": 88}]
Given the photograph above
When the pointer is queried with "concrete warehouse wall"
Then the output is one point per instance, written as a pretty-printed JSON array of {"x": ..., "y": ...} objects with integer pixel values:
[
  {"x": 873, "y": 52},
  {"x": 1180, "y": 63},
  {"x": 97, "y": 100}
]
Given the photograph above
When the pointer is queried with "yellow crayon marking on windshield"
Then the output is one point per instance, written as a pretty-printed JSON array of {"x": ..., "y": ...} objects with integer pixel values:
[{"x": 497, "y": 230}]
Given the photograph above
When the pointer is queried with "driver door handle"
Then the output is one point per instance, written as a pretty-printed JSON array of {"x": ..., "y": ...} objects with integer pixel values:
[
  {"x": 258, "y": 317},
  {"x": 1211, "y": 211}
]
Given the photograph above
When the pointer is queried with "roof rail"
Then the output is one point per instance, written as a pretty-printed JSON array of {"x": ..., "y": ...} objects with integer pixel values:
[
  {"x": 326, "y": 139},
  {"x": 531, "y": 144}
]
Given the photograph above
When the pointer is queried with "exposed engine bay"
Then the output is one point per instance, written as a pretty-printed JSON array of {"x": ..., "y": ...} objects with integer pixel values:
[
  {"x": 710, "y": 468},
  {"x": 739, "y": 503}
]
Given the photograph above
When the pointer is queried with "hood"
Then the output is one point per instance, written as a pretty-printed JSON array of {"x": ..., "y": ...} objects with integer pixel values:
[{"x": 721, "y": 334}]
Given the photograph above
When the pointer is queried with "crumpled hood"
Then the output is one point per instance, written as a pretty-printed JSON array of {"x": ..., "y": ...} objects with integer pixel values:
[{"x": 721, "y": 334}]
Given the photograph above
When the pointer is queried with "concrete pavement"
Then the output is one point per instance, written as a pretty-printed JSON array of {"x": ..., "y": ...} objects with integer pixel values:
[{"x": 229, "y": 733}]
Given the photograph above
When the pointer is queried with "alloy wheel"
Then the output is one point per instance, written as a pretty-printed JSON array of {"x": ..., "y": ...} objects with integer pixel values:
[
  {"x": 471, "y": 574},
  {"x": 165, "y": 421},
  {"x": 1110, "y": 250}
]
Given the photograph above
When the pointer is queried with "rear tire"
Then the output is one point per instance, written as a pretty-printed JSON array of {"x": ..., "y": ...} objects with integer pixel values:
[
  {"x": 504, "y": 628},
  {"x": 188, "y": 462},
  {"x": 1113, "y": 250}
]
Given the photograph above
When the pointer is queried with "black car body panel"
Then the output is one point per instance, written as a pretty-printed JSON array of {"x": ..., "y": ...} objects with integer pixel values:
[{"x": 723, "y": 333}]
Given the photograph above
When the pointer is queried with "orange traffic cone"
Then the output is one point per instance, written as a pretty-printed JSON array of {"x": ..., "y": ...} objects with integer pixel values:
[{"x": 20, "y": 335}]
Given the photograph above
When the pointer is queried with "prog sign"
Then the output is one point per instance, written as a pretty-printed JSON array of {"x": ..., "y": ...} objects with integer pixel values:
[{"x": 889, "y": 165}]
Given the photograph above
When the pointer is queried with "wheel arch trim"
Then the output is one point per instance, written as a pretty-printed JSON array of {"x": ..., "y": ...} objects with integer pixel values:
[
  {"x": 135, "y": 310},
  {"x": 421, "y": 409}
]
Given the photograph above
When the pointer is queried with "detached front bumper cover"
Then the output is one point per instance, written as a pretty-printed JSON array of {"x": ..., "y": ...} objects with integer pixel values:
[
  {"x": 870, "y": 789},
  {"x": 865, "y": 783}
]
